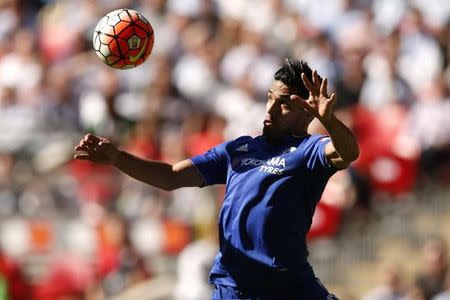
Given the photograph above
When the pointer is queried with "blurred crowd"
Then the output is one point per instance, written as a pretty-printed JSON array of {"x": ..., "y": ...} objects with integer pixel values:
[
  {"x": 75, "y": 230},
  {"x": 432, "y": 282}
]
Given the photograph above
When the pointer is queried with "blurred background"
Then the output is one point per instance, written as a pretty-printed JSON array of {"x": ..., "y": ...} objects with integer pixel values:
[{"x": 73, "y": 230}]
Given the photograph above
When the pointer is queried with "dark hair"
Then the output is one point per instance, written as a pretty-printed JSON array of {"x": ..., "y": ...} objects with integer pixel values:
[{"x": 290, "y": 74}]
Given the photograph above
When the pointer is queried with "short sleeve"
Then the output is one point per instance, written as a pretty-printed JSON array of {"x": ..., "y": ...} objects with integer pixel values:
[
  {"x": 316, "y": 157},
  {"x": 212, "y": 165}
]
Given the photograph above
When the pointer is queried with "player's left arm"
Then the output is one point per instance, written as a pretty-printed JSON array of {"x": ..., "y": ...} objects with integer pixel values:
[{"x": 343, "y": 148}]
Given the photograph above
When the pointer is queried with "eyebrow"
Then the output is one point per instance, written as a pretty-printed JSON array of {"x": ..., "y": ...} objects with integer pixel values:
[{"x": 281, "y": 95}]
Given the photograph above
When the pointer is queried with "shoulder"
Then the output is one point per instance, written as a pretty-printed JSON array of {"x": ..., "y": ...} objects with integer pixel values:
[
  {"x": 241, "y": 142},
  {"x": 319, "y": 137},
  {"x": 316, "y": 139},
  {"x": 314, "y": 152},
  {"x": 243, "y": 139},
  {"x": 238, "y": 144}
]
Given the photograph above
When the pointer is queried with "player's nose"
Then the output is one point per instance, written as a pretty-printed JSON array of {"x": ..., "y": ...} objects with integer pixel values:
[{"x": 271, "y": 109}]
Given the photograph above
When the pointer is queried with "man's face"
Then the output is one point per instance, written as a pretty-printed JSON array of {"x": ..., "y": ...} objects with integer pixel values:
[{"x": 283, "y": 114}]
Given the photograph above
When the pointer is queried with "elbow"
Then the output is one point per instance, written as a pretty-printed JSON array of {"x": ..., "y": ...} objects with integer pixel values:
[
  {"x": 169, "y": 187},
  {"x": 348, "y": 159},
  {"x": 351, "y": 157},
  {"x": 355, "y": 154},
  {"x": 170, "y": 180},
  {"x": 172, "y": 184},
  {"x": 352, "y": 154}
]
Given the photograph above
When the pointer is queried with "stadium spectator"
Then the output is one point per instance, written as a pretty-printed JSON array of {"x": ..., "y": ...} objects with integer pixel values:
[
  {"x": 444, "y": 295},
  {"x": 391, "y": 286},
  {"x": 431, "y": 279}
]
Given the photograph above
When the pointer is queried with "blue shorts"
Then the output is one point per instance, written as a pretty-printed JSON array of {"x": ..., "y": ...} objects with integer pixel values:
[{"x": 312, "y": 290}]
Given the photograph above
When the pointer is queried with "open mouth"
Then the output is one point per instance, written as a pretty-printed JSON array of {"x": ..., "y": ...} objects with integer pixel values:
[{"x": 267, "y": 122}]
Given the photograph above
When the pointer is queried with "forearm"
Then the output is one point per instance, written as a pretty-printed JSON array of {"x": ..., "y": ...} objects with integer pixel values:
[
  {"x": 343, "y": 139},
  {"x": 156, "y": 173}
]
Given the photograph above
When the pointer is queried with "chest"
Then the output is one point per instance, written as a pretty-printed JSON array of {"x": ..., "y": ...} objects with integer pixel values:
[{"x": 262, "y": 162}]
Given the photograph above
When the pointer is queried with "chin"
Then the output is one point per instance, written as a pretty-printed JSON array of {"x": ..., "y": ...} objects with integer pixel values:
[
  {"x": 267, "y": 131},
  {"x": 271, "y": 133}
]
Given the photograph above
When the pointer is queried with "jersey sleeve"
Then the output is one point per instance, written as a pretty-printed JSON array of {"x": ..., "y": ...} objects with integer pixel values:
[
  {"x": 316, "y": 157},
  {"x": 212, "y": 165}
]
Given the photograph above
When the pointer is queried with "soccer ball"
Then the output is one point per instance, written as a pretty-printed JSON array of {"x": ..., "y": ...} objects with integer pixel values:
[{"x": 123, "y": 39}]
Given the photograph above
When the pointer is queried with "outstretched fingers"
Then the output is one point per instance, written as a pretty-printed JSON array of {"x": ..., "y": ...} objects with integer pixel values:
[
  {"x": 315, "y": 78},
  {"x": 81, "y": 156},
  {"x": 86, "y": 151},
  {"x": 308, "y": 83},
  {"x": 323, "y": 88},
  {"x": 91, "y": 138},
  {"x": 333, "y": 98},
  {"x": 88, "y": 146}
]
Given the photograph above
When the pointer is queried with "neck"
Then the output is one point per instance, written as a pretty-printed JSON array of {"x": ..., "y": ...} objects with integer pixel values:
[
  {"x": 299, "y": 132},
  {"x": 274, "y": 136},
  {"x": 275, "y": 139}
]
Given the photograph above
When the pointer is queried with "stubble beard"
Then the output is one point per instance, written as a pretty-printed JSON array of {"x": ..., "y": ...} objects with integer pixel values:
[{"x": 271, "y": 134}]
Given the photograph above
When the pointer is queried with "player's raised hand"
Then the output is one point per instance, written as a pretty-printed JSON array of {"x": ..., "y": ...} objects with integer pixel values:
[
  {"x": 96, "y": 149},
  {"x": 318, "y": 104}
]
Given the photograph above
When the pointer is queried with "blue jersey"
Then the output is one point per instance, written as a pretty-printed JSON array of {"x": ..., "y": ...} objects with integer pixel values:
[{"x": 271, "y": 194}]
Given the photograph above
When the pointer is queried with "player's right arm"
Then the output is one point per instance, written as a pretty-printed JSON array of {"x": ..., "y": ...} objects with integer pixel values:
[{"x": 156, "y": 173}]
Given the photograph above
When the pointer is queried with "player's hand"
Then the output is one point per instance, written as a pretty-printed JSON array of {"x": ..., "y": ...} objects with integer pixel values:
[
  {"x": 96, "y": 149},
  {"x": 318, "y": 104}
]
